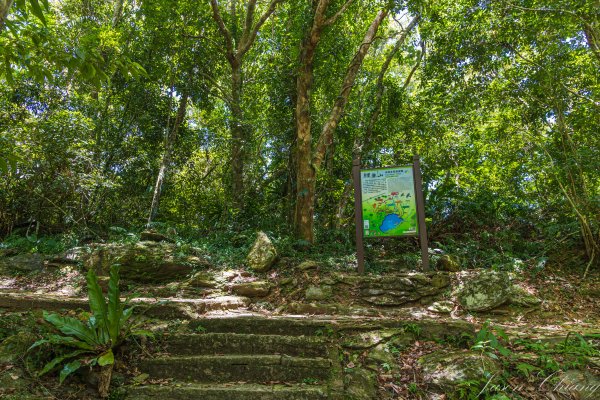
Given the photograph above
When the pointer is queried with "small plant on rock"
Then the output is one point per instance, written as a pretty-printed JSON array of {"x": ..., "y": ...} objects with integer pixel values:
[{"x": 93, "y": 342}]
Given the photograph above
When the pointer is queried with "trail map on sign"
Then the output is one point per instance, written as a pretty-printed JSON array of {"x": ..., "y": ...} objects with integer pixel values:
[{"x": 389, "y": 206}]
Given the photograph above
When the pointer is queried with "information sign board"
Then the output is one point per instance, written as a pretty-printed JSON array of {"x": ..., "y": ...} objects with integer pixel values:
[
  {"x": 388, "y": 202},
  {"x": 389, "y": 206}
]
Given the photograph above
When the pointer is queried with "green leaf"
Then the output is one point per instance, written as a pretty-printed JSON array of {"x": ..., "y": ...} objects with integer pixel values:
[
  {"x": 526, "y": 368},
  {"x": 8, "y": 71},
  {"x": 56, "y": 361},
  {"x": 37, "y": 10},
  {"x": 98, "y": 306},
  {"x": 72, "y": 326},
  {"x": 106, "y": 358},
  {"x": 125, "y": 316},
  {"x": 80, "y": 53},
  {"x": 114, "y": 304},
  {"x": 143, "y": 332},
  {"x": 68, "y": 369},
  {"x": 63, "y": 340},
  {"x": 12, "y": 161},
  {"x": 503, "y": 350}
]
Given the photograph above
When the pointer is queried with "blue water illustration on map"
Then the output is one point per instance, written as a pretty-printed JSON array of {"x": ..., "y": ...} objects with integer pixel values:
[{"x": 390, "y": 222}]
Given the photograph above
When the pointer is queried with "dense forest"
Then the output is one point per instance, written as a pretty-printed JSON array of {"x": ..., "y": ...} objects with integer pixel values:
[
  {"x": 221, "y": 117},
  {"x": 177, "y": 199}
]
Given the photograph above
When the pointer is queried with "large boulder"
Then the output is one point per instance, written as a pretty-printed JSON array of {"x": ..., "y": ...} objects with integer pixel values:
[
  {"x": 22, "y": 263},
  {"x": 263, "y": 254},
  {"x": 146, "y": 262},
  {"x": 485, "y": 291},
  {"x": 445, "y": 369}
]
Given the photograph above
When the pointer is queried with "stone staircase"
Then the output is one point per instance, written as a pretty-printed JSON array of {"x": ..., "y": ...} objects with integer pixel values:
[{"x": 244, "y": 358}]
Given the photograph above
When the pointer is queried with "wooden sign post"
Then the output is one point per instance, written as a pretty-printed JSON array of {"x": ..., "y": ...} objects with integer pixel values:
[
  {"x": 389, "y": 202},
  {"x": 358, "y": 216}
]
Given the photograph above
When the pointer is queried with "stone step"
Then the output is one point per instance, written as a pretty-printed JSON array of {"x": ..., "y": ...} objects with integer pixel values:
[
  {"x": 261, "y": 326},
  {"x": 234, "y": 343},
  {"x": 237, "y": 368},
  {"x": 186, "y": 391},
  {"x": 165, "y": 308}
]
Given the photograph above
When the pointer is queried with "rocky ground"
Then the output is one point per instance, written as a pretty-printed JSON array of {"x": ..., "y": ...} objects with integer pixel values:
[{"x": 446, "y": 333}]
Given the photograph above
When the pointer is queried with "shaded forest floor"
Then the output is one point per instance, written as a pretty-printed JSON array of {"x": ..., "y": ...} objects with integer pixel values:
[{"x": 396, "y": 341}]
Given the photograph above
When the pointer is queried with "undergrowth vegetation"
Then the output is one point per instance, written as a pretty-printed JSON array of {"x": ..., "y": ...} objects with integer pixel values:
[
  {"x": 93, "y": 342},
  {"x": 527, "y": 365}
]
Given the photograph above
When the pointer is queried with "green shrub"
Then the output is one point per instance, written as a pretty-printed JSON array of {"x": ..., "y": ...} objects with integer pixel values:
[{"x": 94, "y": 341}]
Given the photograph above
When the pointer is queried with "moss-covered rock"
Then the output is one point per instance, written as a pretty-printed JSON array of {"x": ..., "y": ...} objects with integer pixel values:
[
  {"x": 202, "y": 280},
  {"x": 380, "y": 357},
  {"x": 22, "y": 263},
  {"x": 448, "y": 263},
  {"x": 441, "y": 307},
  {"x": 360, "y": 384},
  {"x": 252, "y": 289},
  {"x": 398, "y": 289},
  {"x": 263, "y": 254},
  {"x": 445, "y": 369},
  {"x": 484, "y": 291},
  {"x": 318, "y": 293},
  {"x": 143, "y": 261},
  {"x": 522, "y": 298},
  {"x": 308, "y": 264}
]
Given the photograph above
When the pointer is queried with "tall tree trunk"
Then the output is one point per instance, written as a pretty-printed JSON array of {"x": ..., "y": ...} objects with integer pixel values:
[
  {"x": 4, "y": 9},
  {"x": 236, "y": 46},
  {"x": 309, "y": 162},
  {"x": 591, "y": 30},
  {"x": 164, "y": 164},
  {"x": 305, "y": 173},
  {"x": 238, "y": 139},
  {"x": 117, "y": 12}
]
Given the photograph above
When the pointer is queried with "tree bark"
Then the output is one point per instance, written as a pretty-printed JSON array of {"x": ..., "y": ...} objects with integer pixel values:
[
  {"x": 238, "y": 138},
  {"x": 309, "y": 162},
  {"x": 591, "y": 30},
  {"x": 305, "y": 174},
  {"x": 164, "y": 165},
  {"x": 4, "y": 10},
  {"x": 117, "y": 12},
  {"x": 236, "y": 46}
]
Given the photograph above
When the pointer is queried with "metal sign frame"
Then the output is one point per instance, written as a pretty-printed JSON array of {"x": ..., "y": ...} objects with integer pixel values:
[{"x": 420, "y": 204}]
